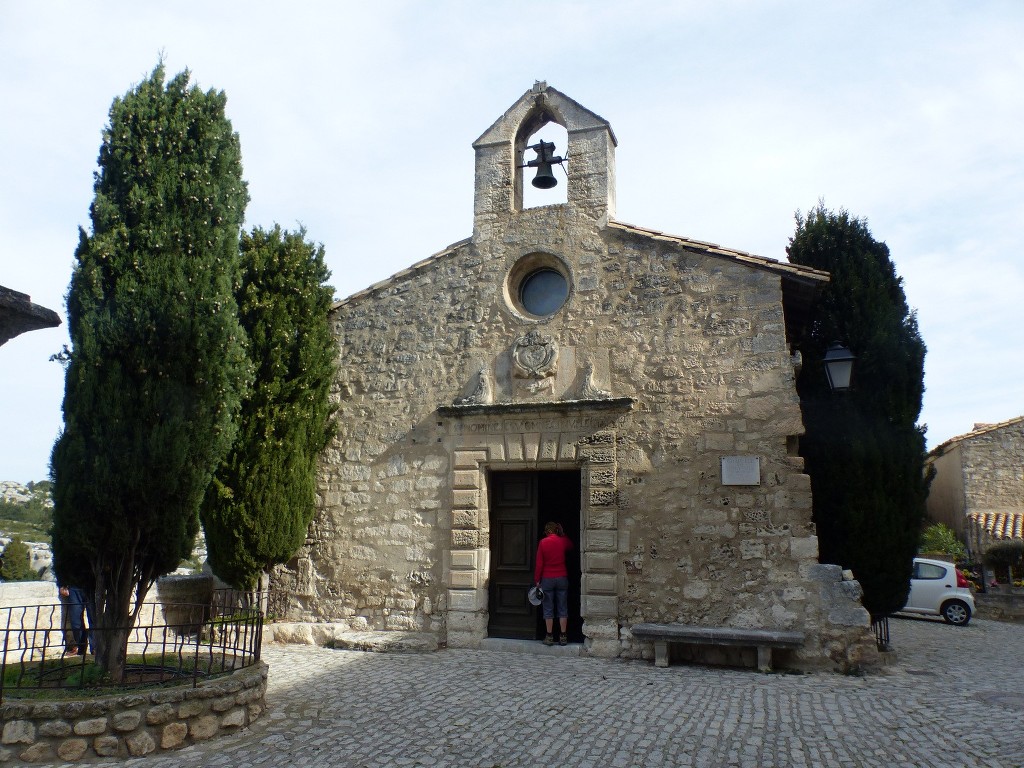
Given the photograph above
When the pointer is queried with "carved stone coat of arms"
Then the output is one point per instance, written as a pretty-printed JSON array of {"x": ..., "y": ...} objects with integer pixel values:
[{"x": 535, "y": 358}]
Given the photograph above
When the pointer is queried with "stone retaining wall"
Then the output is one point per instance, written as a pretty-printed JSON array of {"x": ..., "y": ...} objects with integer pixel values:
[
  {"x": 17, "y": 593},
  {"x": 1005, "y": 606},
  {"x": 131, "y": 724}
]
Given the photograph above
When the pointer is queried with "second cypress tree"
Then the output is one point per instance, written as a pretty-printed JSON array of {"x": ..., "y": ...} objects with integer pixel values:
[
  {"x": 863, "y": 449},
  {"x": 262, "y": 498}
]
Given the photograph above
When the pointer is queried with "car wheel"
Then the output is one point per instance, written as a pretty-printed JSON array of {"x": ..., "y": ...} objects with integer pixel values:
[{"x": 956, "y": 612}]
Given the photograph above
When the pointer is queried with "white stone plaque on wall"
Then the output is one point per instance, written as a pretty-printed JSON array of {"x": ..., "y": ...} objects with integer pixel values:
[{"x": 741, "y": 470}]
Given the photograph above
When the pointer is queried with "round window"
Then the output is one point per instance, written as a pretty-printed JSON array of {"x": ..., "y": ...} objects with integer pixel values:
[
  {"x": 538, "y": 286},
  {"x": 543, "y": 292}
]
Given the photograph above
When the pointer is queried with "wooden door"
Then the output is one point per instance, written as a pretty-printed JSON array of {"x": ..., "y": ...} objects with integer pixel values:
[{"x": 513, "y": 538}]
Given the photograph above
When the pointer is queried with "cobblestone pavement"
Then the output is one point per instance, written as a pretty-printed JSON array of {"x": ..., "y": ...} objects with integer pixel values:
[{"x": 955, "y": 697}]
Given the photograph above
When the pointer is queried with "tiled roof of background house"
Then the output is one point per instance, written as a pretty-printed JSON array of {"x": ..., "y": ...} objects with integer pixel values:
[
  {"x": 999, "y": 524},
  {"x": 979, "y": 429}
]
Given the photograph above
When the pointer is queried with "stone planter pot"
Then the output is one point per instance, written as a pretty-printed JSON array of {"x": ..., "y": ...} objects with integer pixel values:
[{"x": 185, "y": 601}]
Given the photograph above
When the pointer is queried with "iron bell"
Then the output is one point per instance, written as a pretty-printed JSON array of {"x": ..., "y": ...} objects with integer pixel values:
[{"x": 544, "y": 179}]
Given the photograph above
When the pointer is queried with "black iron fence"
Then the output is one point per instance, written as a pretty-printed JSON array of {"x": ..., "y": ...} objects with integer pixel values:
[
  {"x": 169, "y": 643},
  {"x": 880, "y": 625}
]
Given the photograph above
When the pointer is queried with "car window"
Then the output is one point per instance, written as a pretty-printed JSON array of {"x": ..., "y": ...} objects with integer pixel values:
[{"x": 928, "y": 571}]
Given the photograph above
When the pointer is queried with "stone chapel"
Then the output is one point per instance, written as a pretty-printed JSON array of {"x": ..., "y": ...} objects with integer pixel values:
[{"x": 561, "y": 365}]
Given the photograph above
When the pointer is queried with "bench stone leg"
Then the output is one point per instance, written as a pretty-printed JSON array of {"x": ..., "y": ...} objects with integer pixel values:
[
  {"x": 764, "y": 658},
  {"x": 660, "y": 653}
]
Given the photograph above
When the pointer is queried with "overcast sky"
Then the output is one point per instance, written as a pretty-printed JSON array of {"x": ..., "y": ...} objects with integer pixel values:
[{"x": 356, "y": 120}]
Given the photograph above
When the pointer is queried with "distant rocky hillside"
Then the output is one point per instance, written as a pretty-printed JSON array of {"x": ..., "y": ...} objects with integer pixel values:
[
  {"x": 25, "y": 512},
  {"x": 16, "y": 493}
]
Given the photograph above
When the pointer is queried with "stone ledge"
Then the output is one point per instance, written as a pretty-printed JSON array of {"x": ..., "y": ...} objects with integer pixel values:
[
  {"x": 386, "y": 642},
  {"x": 558, "y": 406},
  {"x": 341, "y": 637}
]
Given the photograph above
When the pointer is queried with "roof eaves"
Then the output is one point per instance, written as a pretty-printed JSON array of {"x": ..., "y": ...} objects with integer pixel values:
[
  {"x": 407, "y": 272},
  {"x": 713, "y": 249}
]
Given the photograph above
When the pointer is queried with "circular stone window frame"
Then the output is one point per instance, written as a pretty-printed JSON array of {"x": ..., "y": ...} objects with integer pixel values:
[{"x": 527, "y": 266}]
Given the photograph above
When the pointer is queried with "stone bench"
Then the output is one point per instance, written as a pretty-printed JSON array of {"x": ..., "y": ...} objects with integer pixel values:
[{"x": 761, "y": 639}]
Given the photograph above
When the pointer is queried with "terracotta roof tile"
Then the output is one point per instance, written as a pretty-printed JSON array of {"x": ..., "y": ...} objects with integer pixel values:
[{"x": 999, "y": 524}]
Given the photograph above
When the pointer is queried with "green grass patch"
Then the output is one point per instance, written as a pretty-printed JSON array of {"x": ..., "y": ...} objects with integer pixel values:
[
  {"x": 26, "y": 531},
  {"x": 76, "y": 677}
]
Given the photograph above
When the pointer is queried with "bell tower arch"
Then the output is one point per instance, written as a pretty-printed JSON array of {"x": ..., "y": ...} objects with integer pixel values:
[{"x": 502, "y": 148}]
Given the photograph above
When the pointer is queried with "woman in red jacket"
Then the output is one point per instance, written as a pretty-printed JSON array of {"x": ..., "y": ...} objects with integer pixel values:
[{"x": 552, "y": 577}]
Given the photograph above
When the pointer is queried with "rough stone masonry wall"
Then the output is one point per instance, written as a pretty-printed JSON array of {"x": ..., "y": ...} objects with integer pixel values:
[
  {"x": 993, "y": 468},
  {"x": 373, "y": 559},
  {"x": 698, "y": 342},
  {"x": 133, "y": 724},
  {"x": 716, "y": 380},
  {"x": 714, "y": 377}
]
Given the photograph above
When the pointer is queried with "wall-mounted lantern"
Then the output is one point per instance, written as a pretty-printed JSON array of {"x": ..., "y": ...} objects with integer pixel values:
[{"x": 839, "y": 366}]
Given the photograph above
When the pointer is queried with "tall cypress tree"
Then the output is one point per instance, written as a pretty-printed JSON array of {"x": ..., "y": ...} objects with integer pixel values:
[
  {"x": 863, "y": 449},
  {"x": 157, "y": 365},
  {"x": 256, "y": 511}
]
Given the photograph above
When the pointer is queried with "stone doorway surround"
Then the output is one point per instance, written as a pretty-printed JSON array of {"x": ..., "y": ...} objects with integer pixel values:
[{"x": 579, "y": 434}]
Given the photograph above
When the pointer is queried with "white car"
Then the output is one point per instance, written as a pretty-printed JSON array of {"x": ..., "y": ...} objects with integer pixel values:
[{"x": 939, "y": 589}]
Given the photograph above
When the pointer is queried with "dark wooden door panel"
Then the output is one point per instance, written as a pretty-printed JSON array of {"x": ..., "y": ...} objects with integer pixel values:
[{"x": 513, "y": 538}]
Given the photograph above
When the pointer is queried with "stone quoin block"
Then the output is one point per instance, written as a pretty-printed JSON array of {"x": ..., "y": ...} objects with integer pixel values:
[
  {"x": 469, "y": 459},
  {"x": 464, "y": 539},
  {"x": 462, "y": 580},
  {"x": 466, "y": 479},
  {"x": 465, "y": 600},
  {"x": 465, "y": 499},
  {"x": 600, "y": 584},
  {"x": 465, "y": 518},
  {"x": 599, "y": 606},
  {"x": 598, "y": 562},
  {"x": 464, "y": 558},
  {"x": 598, "y": 541}
]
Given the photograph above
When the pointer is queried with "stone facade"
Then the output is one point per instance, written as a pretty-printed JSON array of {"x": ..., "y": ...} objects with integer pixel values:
[
  {"x": 665, "y": 378},
  {"x": 130, "y": 725},
  {"x": 978, "y": 488}
]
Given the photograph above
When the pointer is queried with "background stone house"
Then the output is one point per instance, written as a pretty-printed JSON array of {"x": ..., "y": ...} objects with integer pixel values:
[
  {"x": 560, "y": 365},
  {"x": 978, "y": 488}
]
